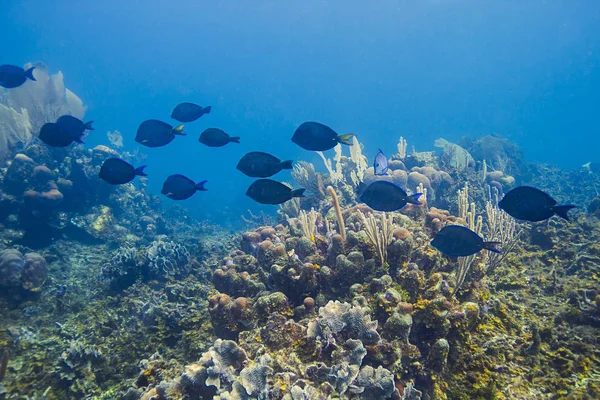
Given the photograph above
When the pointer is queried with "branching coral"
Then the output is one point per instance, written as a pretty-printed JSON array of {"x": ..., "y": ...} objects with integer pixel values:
[
  {"x": 466, "y": 211},
  {"x": 306, "y": 176},
  {"x": 379, "y": 234},
  {"x": 335, "y": 174},
  {"x": 502, "y": 228},
  {"x": 402, "y": 147},
  {"x": 338, "y": 212},
  {"x": 308, "y": 223}
]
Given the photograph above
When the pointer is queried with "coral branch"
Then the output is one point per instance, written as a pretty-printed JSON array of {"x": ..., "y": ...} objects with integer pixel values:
[{"x": 338, "y": 212}]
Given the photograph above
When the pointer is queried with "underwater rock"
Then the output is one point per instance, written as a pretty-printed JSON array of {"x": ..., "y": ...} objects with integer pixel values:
[
  {"x": 17, "y": 175},
  {"x": 499, "y": 153},
  {"x": 220, "y": 307},
  {"x": 34, "y": 272},
  {"x": 228, "y": 316},
  {"x": 416, "y": 179},
  {"x": 396, "y": 176},
  {"x": 269, "y": 253},
  {"x": 227, "y": 279},
  {"x": 594, "y": 207},
  {"x": 438, "y": 355},
  {"x": 499, "y": 180},
  {"x": 27, "y": 271},
  {"x": 296, "y": 279},
  {"x": 412, "y": 279},
  {"x": 350, "y": 269},
  {"x": 11, "y": 267},
  {"x": 435, "y": 219},
  {"x": 420, "y": 159},
  {"x": 250, "y": 241},
  {"x": 395, "y": 164},
  {"x": 270, "y": 304},
  {"x": 399, "y": 324}
]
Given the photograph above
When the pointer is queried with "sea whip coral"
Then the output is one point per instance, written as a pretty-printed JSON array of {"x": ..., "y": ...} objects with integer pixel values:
[{"x": 338, "y": 212}]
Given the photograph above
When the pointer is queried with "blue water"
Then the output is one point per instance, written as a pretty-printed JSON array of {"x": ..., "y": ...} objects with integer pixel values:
[{"x": 528, "y": 70}]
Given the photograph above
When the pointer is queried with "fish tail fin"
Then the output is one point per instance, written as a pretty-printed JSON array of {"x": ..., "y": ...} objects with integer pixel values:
[
  {"x": 139, "y": 171},
  {"x": 562, "y": 211},
  {"x": 206, "y": 110},
  {"x": 298, "y": 193},
  {"x": 234, "y": 139},
  {"x": 491, "y": 246},
  {"x": 29, "y": 74},
  {"x": 346, "y": 139},
  {"x": 88, "y": 125},
  {"x": 178, "y": 130},
  {"x": 414, "y": 198},
  {"x": 200, "y": 186},
  {"x": 287, "y": 164}
]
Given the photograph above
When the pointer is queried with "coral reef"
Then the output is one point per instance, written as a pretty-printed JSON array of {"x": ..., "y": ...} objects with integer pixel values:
[{"x": 123, "y": 298}]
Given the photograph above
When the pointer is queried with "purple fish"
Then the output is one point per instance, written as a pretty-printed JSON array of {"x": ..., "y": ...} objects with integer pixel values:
[{"x": 381, "y": 164}]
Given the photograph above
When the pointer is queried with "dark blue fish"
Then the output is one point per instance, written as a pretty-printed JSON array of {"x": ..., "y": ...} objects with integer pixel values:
[
  {"x": 189, "y": 112},
  {"x": 257, "y": 164},
  {"x": 460, "y": 241},
  {"x": 12, "y": 76},
  {"x": 74, "y": 126},
  {"x": 155, "y": 133},
  {"x": 386, "y": 196},
  {"x": 530, "y": 204},
  {"x": 318, "y": 137},
  {"x": 117, "y": 172},
  {"x": 178, "y": 187},
  {"x": 55, "y": 136},
  {"x": 268, "y": 191},
  {"x": 381, "y": 164},
  {"x": 214, "y": 137}
]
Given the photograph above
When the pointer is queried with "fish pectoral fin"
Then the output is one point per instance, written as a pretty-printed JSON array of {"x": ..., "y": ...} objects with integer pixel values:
[{"x": 491, "y": 246}]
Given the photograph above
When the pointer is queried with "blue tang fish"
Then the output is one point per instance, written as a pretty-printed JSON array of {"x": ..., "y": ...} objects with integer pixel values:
[
  {"x": 179, "y": 187},
  {"x": 12, "y": 76},
  {"x": 118, "y": 172},
  {"x": 189, "y": 112},
  {"x": 386, "y": 196},
  {"x": 530, "y": 204},
  {"x": 460, "y": 241},
  {"x": 318, "y": 137}
]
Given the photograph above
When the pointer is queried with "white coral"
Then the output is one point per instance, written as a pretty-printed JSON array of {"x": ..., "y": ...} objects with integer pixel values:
[{"x": 15, "y": 130}]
